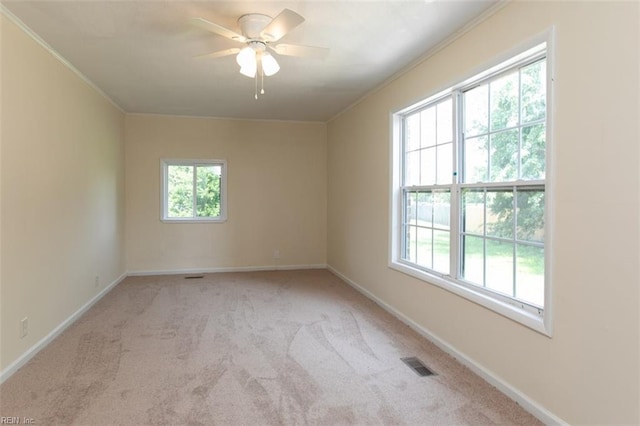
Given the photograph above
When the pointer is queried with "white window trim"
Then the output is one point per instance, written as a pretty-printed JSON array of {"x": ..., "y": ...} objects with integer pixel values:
[
  {"x": 511, "y": 309},
  {"x": 164, "y": 207}
]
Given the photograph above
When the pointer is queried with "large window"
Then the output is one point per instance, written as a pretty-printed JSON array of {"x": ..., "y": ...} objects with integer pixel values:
[
  {"x": 470, "y": 168},
  {"x": 193, "y": 190}
]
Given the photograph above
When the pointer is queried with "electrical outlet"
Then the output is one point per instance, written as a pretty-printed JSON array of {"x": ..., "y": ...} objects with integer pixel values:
[
  {"x": 276, "y": 254},
  {"x": 24, "y": 327},
  {"x": 97, "y": 280}
]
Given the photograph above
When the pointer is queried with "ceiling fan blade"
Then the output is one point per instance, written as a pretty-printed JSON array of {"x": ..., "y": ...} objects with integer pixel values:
[
  {"x": 220, "y": 53},
  {"x": 281, "y": 25},
  {"x": 301, "y": 51},
  {"x": 218, "y": 29}
]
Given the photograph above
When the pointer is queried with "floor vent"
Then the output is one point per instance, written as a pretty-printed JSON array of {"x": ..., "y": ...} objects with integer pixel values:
[
  {"x": 417, "y": 366},
  {"x": 193, "y": 277}
]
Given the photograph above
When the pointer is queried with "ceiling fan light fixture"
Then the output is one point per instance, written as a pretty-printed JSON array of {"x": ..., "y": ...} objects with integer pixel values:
[
  {"x": 246, "y": 57},
  {"x": 249, "y": 70},
  {"x": 269, "y": 64}
]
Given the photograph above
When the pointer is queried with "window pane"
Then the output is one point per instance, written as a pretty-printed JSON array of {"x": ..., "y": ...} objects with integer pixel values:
[
  {"x": 442, "y": 210},
  {"x": 412, "y": 129},
  {"x": 428, "y": 127},
  {"x": 425, "y": 250},
  {"x": 476, "y": 111},
  {"x": 425, "y": 209},
  {"x": 445, "y": 164},
  {"x": 473, "y": 259},
  {"x": 473, "y": 212},
  {"x": 530, "y": 215},
  {"x": 412, "y": 168},
  {"x": 534, "y": 88},
  {"x": 533, "y": 152},
  {"x": 410, "y": 244},
  {"x": 410, "y": 206},
  {"x": 445, "y": 123},
  {"x": 180, "y": 191},
  {"x": 500, "y": 213},
  {"x": 428, "y": 166},
  {"x": 441, "y": 243},
  {"x": 504, "y": 102},
  {"x": 208, "y": 191},
  {"x": 500, "y": 266},
  {"x": 475, "y": 159},
  {"x": 530, "y": 274},
  {"x": 504, "y": 156}
]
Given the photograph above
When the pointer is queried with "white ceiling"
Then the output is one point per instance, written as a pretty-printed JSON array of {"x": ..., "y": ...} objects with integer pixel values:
[{"x": 142, "y": 53}]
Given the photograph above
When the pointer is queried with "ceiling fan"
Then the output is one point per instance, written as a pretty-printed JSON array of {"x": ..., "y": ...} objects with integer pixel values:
[{"x": 258, "y": 32}]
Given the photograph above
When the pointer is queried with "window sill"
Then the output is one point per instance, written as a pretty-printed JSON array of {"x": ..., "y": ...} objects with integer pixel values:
[
  {"x": 192, "y": 220},
  {"x": 539, "y": 323}
]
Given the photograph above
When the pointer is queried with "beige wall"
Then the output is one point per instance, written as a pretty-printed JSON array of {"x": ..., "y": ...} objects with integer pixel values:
[
  {"x": 62, "y": 176},
  {"x": 588, "y": 373},
  {"x": 276, "y": 173}
]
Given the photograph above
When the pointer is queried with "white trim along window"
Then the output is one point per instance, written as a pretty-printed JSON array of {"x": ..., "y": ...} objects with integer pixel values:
[
  {"x": 193, "y": 190},
  {"x": 469, "y": 188}
]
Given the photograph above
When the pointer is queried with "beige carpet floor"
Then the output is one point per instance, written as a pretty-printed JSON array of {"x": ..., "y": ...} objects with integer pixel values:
[{"x": 283, "y": 347}]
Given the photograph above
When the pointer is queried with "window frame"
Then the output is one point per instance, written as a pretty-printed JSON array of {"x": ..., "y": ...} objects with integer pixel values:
[
  {"x": 538, "y": 319},
  {"x": 165, "y": 163}
]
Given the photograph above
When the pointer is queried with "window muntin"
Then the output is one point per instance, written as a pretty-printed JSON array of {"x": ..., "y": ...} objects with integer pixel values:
[
  {"x": 502, "y": 248},
  {"x": 503, "y": 142},
  {"x": 428, "y": 176},
  {"x": 504, "y": 121},
  {"x": 429, "y": 145},
  {"x": 427, "y": 229},
  {"x": 193, "y": 190},
  {"x": 492, "y": 175}
]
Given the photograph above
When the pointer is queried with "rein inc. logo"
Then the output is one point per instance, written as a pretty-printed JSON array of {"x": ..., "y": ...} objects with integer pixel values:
[{"x": 4, "y": 420}]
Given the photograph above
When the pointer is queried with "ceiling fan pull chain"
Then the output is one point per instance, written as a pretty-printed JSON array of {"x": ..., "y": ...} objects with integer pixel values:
[
  {"x": 256, "y": 84},
  {"x": 262, "y": 81}
]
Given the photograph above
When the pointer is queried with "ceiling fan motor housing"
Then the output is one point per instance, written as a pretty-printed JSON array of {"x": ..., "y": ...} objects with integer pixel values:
[{"x": 252, "y": 25}]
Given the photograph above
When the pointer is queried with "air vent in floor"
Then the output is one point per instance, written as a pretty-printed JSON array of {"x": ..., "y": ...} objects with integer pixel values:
[
  {"x": 193, "y": 277},
  {"x": 417, "y": 366}
]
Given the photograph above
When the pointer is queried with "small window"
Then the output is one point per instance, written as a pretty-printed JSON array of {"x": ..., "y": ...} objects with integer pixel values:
[{"x": 193, "y": 190}]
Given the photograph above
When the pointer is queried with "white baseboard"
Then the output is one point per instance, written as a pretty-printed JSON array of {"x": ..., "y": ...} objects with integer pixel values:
[
  {"x": 225, "y": 269},
  {"x": 523, "y": 400},
  {"x": 32, "y": 351}
]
